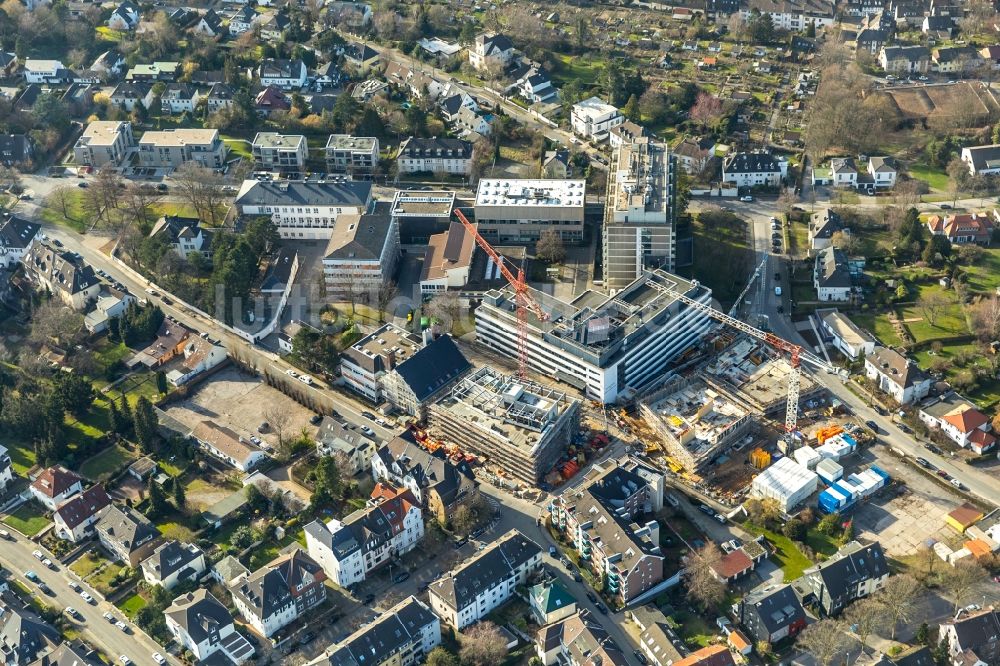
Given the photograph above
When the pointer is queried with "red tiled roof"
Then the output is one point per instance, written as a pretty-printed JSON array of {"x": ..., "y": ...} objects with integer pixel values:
[
  {"x": 983, "y": 440},
  {"x": 75, "y": 511},
  {"x": 713, "y": 655},
  {"x": 733, "y": 564},
  {"x": 55, "y": 481},
  {"x": 968, "y": 420}
]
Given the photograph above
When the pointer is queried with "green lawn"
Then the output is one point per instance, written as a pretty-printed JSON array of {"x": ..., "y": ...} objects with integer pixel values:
[
  {"x": 85, "y": 431},
  {"x": 174, "y": 530},
  {"x": 86, "y": 565},
  {"x": 106, "y": 354},
  {"x": 22, "y": 455},
  {"x": 237, "y": 147},
  {"x": 132, "y": 605},
  {"x": 879, "y": 325},
  {"x": 103, "y": 465},
  {"x": 985, "y": 276},
  {"x": 786, "y": 554},
  {"x": 821, "y": 543},
  {"x": 583, "y": 69},
  {"x": 722, "y": 255},
  {"x": 102, "y": 579},
  {"x": 949, "y": 322},
  {"x": 693, "y": 629},
  {"x": 174, "y": 208},
  {"x": 29, "y": 519},
  {"x": 75, "y": 217},
  {"x": 936, "y": 178}
]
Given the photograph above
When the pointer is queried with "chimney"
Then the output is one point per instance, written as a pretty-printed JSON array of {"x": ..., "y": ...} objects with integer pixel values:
[{"x": 389, "y": 358}]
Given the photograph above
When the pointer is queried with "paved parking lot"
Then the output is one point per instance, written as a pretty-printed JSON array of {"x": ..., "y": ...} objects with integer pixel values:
[
  {"x": 905, "y": 522},
  {"x": 241, "y": 402}
]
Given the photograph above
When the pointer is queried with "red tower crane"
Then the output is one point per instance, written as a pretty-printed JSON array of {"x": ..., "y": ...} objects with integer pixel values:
[{"x": 522, "y": 297}]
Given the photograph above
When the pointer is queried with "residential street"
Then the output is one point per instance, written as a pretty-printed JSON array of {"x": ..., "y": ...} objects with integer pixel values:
[{"x": 136, "y": 645}]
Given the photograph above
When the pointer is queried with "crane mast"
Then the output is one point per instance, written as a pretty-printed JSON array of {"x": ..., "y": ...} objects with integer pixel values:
[{"x": 522, "y": 297}]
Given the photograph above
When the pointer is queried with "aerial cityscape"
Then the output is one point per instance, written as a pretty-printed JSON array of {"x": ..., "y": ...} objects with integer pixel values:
[{"x": 499, "y": 333}]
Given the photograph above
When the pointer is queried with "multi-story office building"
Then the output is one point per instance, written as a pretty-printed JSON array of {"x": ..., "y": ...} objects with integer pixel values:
[
  {"x": 104, "y": 142},
  {"x": 640, "y": 228},
  {"x": 280, "y": 152},
  {"x": 304, "y": 209},
  {"x": 355, "y": 155},
  {"x": 519, "y": 210},
  {"x": 610, "y": 347},
  {"x": 174, "y": 147},
  {"x": 361, "y": 255}
]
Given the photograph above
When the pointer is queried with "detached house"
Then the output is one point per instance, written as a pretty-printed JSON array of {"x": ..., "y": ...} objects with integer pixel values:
[
  {"x": 465, "y": 595},
  {"x": 693, "y": 154},
  {"x": 593, "y": 119},
  {"x": 126, "y": 534},
  {"x": 125, "y": 16},
  {"x": 128, "y": 93},
  {"x": 578, "y": 640},
  {"x": 15, "y": 149},
  {"x": 220, "y": 96},
  {"x": 904, "y": 59},
  {"x": 976, "y": 228},
  {"x": 896, "y": 375},
  {"x": 6, "y": 469},
  {"x": 847, "y": 337},
  {"x": 756, "y": 169},
  {"x": 883, "y": 171},
  {"x": 361, "y": 57},
  {"x": 209, "y": 25},
  {"x": 178, "y": 98},
  {"x": 54, "y": 486},
  {"x": 961, "y": 421},
  {"x": 854, "y": 572},
  {"x": 184, "y": 235},
  {"x": 845, "y": 173},
  {"x": 173, "y": 563},
  {"x": 63, "y": 274},
  {"x": 823, "y": 224},
  {"x": 771, "y": 613},
  {"x": 982, "y": 159},
  {"x": 199, "y": 356},
  {"x": 16, "y": 237},
  {"x": 491, "y": 51},
  {"x": 203, "y": 626},
  {"x": 435, "y": 155},
  {"x": 438, "y": 484},
  {"x": 284, "y": 74},
  {"x": 75, "y": 517},
  {"x": 279, "y": 592},
  {"x": 334, "y": 437},
  {"x": 227, "y": 446},
  {"x": 832, "y": 276},
  {"x": 243, "y": 20}
]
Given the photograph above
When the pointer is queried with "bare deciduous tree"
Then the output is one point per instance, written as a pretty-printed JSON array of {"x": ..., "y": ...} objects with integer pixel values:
[
  {"x": 60, "y": 200},
  {"x": 387, "y": 291},
  {"x": 963, "y": 579},
  {"x": 483, "y": 645},
  {"x": 202, "y": 189},
  {"x": 53, "y": 321},
  {"x": 985, "y": 315},
  {"x": 931, "y": 305},
  {"x": 699, "y": 576},
  {"x": 867, "y": 616},
  {"x": 898, "y": 600},
  {"x": 279, "y": 420},
  {"x": 824, "y": 640}
]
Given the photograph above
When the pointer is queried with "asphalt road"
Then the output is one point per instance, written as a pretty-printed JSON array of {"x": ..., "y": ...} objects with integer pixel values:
[
  {"x": 979, "y": 483},
  {"x": 16, "y": 556}
]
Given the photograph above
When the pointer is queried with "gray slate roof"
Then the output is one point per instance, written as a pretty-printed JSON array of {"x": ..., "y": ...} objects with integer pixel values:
[{"x": 311, "y": 193}]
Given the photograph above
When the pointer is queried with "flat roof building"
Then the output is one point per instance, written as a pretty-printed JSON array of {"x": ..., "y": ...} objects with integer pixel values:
[
  {"x": 608, "y": 347},
  {"x": 519, "y": 210},
  {"x": 640, "y": 228},
  {"x": 280, "y": 152},
  {"x": 174, "y": 147},
  {"x": 304, "y": 209},
  {"x": 421, "y": 213},
  {"x": 355, "y": 155},
  {"x": 104, "y": 142}
]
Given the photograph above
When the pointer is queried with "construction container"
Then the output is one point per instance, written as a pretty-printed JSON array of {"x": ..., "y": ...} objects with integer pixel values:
[
  {"x": 831, "y": 501},
  {"x": 785, "y": 481},
  {"x": 846, "y": 493},
  {"x": 829, "y": 470},
  {"x": 837, "y": 447},
  {"x": 807, "y": 457},
  {"x": 826, "y": 433}
]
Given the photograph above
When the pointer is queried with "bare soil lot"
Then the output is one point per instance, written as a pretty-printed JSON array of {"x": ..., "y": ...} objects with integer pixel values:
[
  {"x": 241, "y": 402},
  {"x": 938, "y": 101}
]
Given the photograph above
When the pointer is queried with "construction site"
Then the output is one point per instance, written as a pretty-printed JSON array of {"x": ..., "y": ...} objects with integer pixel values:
[{"x": 520, "y": 428}]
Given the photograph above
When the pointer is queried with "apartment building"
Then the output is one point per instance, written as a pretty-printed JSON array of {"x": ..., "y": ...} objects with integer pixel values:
[
  {"x": 350, "y": 549},
  {"x": 853, "y": 573},
  {"x": 640, "y": 212},
  {"x": 363, "y": 364},
  {"x": 304, "y": 209},
  {"x": 63, "y": 274},
  {"x": 593, "y": 119},
  {"x": 402, "y": 636},
  {"x": 435, "y": 155},
  {"x": 361, "y": 255},
  {"x": 516, "y": 424},
  {"x": 604, "y": 521},
  {"x": 470, "y": 592},
  {"x": 609, "y": 347},
  {"x": 104, "y": 142},
  {"x": 756, "y": 169},
  {"x": 203, "y": 626},
  {"x": 280, "y": 152},
  {"x": 173, "y": 147},
  {"x": 279, "y": 592},
  {"x": 516, "y": 210},
  {"x": 126, "y": 534},
  {"x": 354, "y": 155}
]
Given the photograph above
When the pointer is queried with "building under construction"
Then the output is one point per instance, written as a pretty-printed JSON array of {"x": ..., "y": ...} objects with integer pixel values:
[
  {"x": 696, "y": 421},
  {"x": 519, "y": 426},
  {"x": 747, "y": 370}
]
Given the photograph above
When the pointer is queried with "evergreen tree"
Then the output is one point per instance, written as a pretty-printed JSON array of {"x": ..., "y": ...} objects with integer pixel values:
[
  {"x": 145, "y": 424},
  {"x": 631, "y": 109},
  {"x": 161, "y": 381},
  {"x": 157, "y": 500},
  {"x": 179, "y": 497}
]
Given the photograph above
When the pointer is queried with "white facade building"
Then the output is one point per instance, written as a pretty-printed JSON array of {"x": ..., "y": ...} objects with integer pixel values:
[
  {"x": 304, "y": 209},
  {"x": 594, "y": 118}
]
